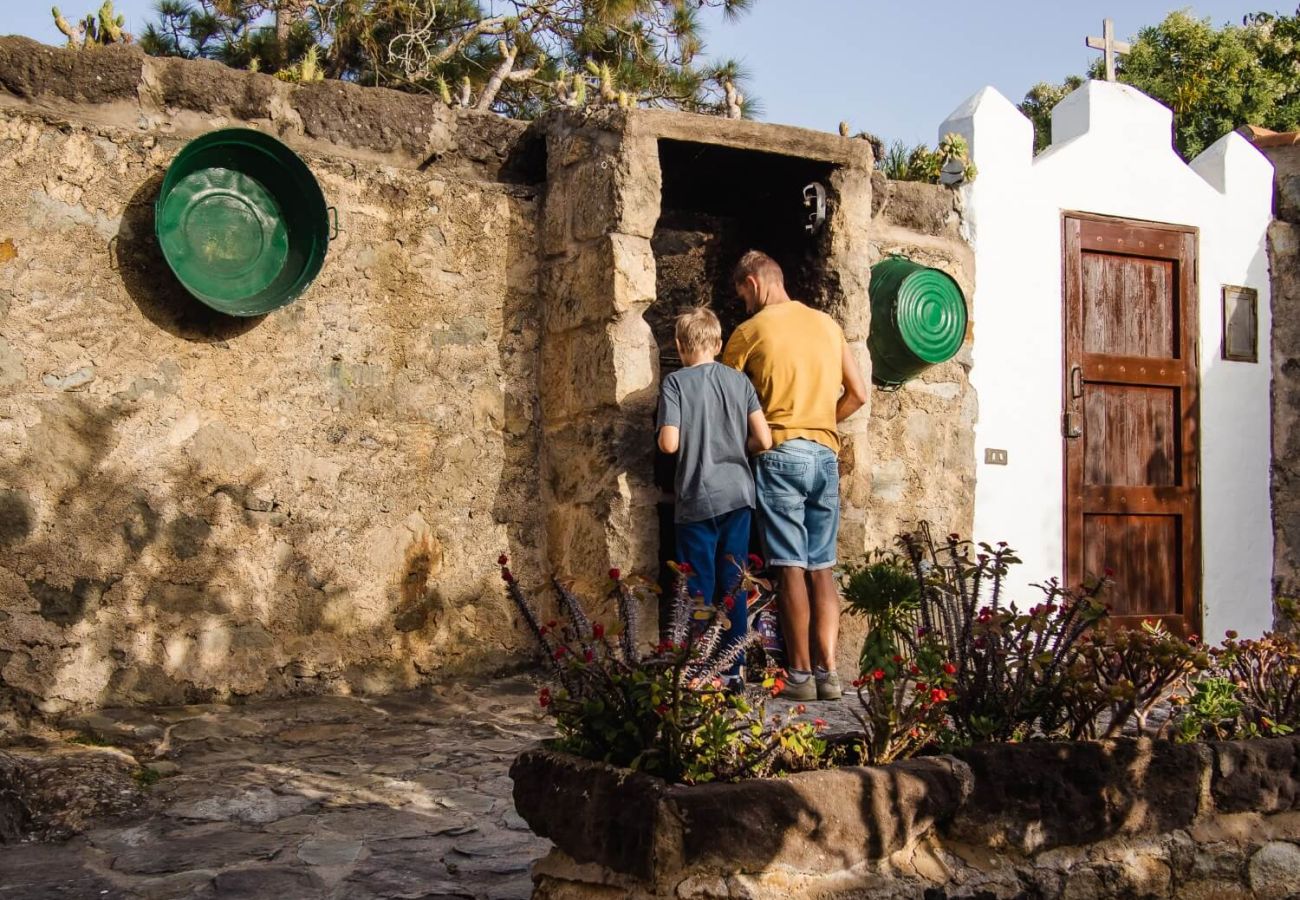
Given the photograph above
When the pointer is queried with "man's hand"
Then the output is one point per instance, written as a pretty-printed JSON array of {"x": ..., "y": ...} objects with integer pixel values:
[{"x": 855, "y": 388}]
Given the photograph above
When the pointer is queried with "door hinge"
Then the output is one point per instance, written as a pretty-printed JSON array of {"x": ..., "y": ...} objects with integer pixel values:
[{"x": 1070, "y": 426}]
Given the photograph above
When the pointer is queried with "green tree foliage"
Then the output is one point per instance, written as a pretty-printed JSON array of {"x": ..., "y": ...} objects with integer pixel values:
[
  {"x": 517, "y": 57},
  {"x": 1214, "y": 79}
]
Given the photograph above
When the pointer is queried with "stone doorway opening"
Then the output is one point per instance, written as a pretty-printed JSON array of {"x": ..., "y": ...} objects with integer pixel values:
[{"x": 716, "y": 203}]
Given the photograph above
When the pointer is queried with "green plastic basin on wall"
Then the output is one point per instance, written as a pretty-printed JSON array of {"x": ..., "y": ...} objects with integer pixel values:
[
  {"x": 242, "y": 222},
  {"x": 918, "y": 319}
]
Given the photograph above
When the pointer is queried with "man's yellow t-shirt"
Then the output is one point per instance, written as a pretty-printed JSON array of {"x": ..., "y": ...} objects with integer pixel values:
[{"x": 794, "y": 355}]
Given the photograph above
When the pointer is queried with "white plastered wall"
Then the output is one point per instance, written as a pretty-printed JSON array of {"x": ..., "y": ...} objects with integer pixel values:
[{"x": 1112, "y": 154}]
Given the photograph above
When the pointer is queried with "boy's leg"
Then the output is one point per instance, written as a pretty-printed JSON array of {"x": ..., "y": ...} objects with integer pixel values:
[
  {"x": 733, "y": 542},
  {"x": 696, "y": 546}
]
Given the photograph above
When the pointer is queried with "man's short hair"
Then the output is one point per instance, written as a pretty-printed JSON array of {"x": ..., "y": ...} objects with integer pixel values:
[
  {"x": 758, "y": 264},
  {"x": 698, "y": 330}
]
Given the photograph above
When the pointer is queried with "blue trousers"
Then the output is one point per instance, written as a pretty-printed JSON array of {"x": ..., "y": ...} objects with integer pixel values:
[{"x": 706, "y": 546}]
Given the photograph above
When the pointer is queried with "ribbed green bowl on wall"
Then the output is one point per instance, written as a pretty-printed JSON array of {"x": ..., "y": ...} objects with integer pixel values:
[
  {"x": 242, "y": 222},
  {"x": 918, "y": 319}
]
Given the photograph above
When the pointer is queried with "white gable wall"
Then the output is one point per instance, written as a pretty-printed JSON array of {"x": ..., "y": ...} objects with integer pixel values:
[{"x": 1112, "y": 155}]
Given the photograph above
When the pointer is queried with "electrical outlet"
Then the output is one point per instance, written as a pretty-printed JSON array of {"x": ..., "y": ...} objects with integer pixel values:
[{"x": 994, "y": 457}]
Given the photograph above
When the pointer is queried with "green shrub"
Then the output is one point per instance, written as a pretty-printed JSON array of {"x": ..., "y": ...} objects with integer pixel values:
[{"x": 664, "y": 711}]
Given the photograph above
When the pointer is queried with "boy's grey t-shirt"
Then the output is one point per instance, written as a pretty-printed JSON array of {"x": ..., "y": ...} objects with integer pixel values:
[{"x": 710, "y": 404}]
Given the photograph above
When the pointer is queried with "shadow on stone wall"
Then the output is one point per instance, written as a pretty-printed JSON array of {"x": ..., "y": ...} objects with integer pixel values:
[{"x": 154, "y": 288}]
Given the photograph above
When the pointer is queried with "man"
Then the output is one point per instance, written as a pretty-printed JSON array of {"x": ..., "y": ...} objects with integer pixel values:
[{"x": 807, "y": 382}]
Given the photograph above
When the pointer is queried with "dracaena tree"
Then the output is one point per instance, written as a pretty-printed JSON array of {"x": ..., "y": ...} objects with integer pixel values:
[{"x": 516, "y": 57}]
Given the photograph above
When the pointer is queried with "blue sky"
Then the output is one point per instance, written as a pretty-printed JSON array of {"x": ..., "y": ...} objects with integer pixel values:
[{"x": 893, "y": 68}]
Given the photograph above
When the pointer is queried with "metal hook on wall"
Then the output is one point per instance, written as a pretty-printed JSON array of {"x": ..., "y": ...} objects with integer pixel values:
[{"x": 814, "y": 198}]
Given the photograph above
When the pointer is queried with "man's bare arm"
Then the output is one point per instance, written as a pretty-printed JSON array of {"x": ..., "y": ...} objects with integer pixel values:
[
  {"x": 855, "y": 388},
  {"x": 669, "y": 438}
]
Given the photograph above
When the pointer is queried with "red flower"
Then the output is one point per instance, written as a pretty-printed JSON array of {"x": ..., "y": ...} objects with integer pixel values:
[
  {"x": 801, "y": 709},
  {"x": 756, "y": 561},
  {"x": 662, "y": 709},
  {"x": 729, "y": 603},
  {"x": 588, "y": 656},
  {"x": 897, "y": 659},
  {"x": 560, "y": 651},
  {"x": 922, "y": 631},
  {"x": 819, "y": 723},
  {"x": 615, "y": 574},
  {"x": 506, "y": 576},
  {"x": 938, "y": 695},
  {"x": 598, "y": 631},
  {"x": 950, "y": 669},
  {"x": 544, "y": 698},
  {"x": 922, "y": 687},
  {"x": 544, "y": 630},
  {"x": 502, "y": 559},
  {"x": 914, "y": 670},
  {"x": 1109, "y": 572},
  {"x": 777, "y": 686},
  {"x": 858, "y": 682},
  {"x": 685, "y": 568},
  {"x": 879, "y": 674}
]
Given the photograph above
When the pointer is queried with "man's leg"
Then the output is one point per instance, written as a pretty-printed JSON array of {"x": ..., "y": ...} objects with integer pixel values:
[
  {"x": 795, "y": 617},
  {"x": 825, "y": 618}
]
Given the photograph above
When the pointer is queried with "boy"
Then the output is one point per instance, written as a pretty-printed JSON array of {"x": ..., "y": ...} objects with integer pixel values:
[{"x": 710, "y": 416}]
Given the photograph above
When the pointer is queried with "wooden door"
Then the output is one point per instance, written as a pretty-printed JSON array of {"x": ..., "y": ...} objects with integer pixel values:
[{"x": 1132, "y": 498}]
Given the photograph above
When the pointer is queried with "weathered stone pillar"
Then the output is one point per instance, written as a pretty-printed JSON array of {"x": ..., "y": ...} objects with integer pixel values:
[
  {"x": 598, "y": 357},
  {"x": 848, "y": 268}
]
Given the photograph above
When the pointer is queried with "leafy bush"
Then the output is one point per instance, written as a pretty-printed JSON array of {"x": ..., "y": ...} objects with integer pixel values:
[
  {"x": 663, "y": 712},
  {"x": 1211, "y": 712},
  {"x": 883, "y": 591},
  {"x": 1121, "y": 675},
  {"x": 1267, "y": 675},
  {"x": 1012, "y": 667},
  {"x": 904, "y": 704}
]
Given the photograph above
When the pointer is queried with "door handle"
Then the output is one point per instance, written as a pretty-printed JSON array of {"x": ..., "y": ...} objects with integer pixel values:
[
  {"x": 1076, "y": 382},
  {"x": 1071, "y": 425}
]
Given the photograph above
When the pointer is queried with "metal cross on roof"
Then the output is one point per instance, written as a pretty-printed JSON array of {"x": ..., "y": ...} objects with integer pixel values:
[{"x": 1109, "y": 46}]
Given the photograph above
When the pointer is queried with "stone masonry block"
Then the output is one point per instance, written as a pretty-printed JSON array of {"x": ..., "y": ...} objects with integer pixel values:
[
  {"x": 606, "y": 277},
  {"x": 591, "y": 199},
  {"x": 635, "y": 359},
  {"x": 640, "y": 186},
  {"x": 576, "y": 539},
  {"x": 589, "y": 455},
  {"x": 100, "y": 75},
  {"x": 577, "y": 372}
]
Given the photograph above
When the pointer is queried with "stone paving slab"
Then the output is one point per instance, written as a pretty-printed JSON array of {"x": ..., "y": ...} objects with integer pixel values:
[
  {"x": 387, "y": 798},
  {"x": 324, "y": 797}
]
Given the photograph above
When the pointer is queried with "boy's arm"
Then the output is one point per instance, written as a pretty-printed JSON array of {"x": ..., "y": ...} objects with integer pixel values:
[
  {"x": 855, "y": 387},
  {"x": 760, "y": 436},
  {"x": 670, "y": 416}
]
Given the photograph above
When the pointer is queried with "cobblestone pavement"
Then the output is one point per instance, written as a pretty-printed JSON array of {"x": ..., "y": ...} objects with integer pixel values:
[
  {"x": 400, "y": 797},
  {"x": 406, "y": 796}
]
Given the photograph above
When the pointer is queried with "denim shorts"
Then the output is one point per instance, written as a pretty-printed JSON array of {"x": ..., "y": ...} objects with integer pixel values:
[{"x": 799, "y": 503}]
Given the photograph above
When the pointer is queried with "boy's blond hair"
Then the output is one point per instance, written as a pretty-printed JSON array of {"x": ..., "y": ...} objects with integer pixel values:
[{"x": 698, "y": 330}]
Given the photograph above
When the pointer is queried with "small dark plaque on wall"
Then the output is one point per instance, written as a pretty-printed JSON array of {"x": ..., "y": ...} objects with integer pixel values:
[{"x": 1240, "y": 323}]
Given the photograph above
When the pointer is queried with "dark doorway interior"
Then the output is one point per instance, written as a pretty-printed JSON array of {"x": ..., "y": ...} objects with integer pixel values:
[{"x": 718, "y": 202}]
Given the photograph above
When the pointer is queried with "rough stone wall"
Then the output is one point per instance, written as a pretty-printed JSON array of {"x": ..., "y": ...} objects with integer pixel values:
[
  {"x": 1284, "y": 272},
  {"x": 921, "y": 436},
  {"x": 194, "y": 507}
]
